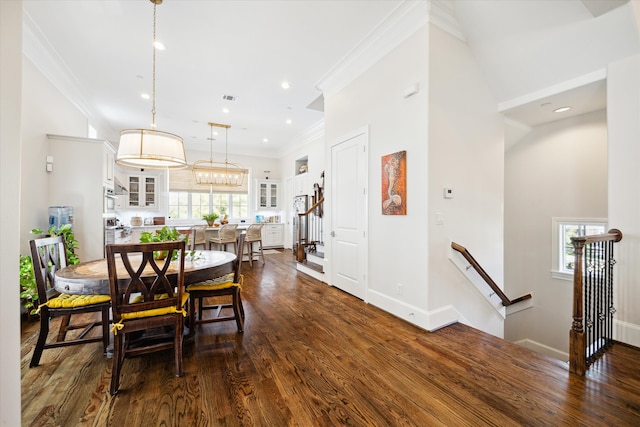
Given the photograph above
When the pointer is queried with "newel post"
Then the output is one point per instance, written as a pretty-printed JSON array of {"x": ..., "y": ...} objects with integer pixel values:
[{"x": 577, "y": 343}]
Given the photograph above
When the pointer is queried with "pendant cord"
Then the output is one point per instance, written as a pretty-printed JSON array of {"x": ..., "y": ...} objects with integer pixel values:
[{"x": 153, "y": 106}]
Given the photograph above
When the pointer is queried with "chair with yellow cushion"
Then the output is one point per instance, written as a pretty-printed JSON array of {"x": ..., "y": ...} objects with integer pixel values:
[
  {"x": 229, "y": 285},
  {"x": 48, "y": 256},
  {"x": 148, "y": 301}
]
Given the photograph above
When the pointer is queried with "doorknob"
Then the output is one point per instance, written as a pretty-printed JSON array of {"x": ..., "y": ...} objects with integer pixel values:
[{"x": 333, "y": 234}]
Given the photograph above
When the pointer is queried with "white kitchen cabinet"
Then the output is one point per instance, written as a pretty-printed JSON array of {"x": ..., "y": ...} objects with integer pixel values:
[
  {"x": 266, "y": 194},
  {"x": 273, "y": 236},
  {"x": 300, "y": 184},
  {"x": 143, "y": 191},
  {"x": 108, "y": 165}
]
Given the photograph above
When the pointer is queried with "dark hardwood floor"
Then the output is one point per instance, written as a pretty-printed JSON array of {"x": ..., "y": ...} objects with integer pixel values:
[{"x": 312, "y": 355}]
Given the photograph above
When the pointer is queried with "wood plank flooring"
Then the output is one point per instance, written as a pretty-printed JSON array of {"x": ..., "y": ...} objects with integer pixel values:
[{"x": 312, "y": 355}]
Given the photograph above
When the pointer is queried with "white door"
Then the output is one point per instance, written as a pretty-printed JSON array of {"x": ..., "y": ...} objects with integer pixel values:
[{"x": 349, "y": 214}]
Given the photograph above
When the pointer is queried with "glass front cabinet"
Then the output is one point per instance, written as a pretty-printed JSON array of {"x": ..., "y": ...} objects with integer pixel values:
[
  {"x": 267, "y": 195},
  {"x": 142, "y": 191}
]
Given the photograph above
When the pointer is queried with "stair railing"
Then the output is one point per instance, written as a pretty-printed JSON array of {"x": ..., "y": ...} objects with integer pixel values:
[
  {"x": 478, "y": 268},
  {"x": 592, "y": 299},
  {"x": 314, "y": 227}
]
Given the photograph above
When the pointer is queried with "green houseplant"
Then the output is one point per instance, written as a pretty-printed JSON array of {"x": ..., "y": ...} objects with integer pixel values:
[
  {"x": 165, "y": 234},
  {"x": 210, "y": 218},
  {"x": 28, "y": 288}
]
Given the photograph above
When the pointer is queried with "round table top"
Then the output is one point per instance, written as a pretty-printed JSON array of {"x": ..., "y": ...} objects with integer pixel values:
[{"x": 92, "y": 277}]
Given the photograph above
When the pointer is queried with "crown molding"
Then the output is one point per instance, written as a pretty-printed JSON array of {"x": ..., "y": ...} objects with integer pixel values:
[
  {"x": 37, "y": 48},
  {"x": 407, "y": 18},
  {"x": 402, "y": 22}
]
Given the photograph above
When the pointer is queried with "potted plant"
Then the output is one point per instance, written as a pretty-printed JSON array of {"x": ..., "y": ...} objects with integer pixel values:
[
  {"x": 165, "y": 234},
  {"x": 28, "y": 287},
  {"x": 210, "y": 218}
]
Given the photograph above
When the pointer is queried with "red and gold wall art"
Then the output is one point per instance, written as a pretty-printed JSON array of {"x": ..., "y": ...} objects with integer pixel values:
[{"x": 394, "y": 183}]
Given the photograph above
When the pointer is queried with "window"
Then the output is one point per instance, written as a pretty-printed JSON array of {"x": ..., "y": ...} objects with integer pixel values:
[
  {"x": 192, "y": 205},
  {"x": 563, "y": 230}
]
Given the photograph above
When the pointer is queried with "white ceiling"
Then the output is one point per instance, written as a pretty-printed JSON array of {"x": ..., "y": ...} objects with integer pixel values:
[
  {"x": 241, "y": 48},
  {"x": 533, "y": 53}
]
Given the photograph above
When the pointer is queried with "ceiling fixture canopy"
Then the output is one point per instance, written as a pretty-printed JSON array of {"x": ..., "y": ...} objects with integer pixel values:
[
  {"x": 150, "y": 148},
  {"x": 220, "y": 174}
]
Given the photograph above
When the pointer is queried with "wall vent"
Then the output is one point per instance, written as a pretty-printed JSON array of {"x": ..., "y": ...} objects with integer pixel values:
[{"x": 229, "y": 98}]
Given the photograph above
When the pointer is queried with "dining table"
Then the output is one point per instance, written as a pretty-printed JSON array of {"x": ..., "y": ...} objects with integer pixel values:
[{"x": 92, "y": 277}]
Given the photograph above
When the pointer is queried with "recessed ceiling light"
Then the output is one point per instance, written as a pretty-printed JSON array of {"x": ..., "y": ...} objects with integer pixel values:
[
  {"x": 225, "y": 110},
  {"x": 145, "y": 96},
  {"x": 265, "y": 140},
  {"x": 289, "y": 121},
  {"x": 561, "y": 109},
  {"x": 159, "y": 45},
  {"x": 285, "y": 85}
]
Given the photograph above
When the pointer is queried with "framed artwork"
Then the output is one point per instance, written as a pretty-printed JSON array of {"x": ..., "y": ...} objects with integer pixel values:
[{"x": 394, "y": 183}]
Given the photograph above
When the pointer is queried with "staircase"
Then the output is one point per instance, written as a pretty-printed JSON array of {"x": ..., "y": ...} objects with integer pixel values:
[{"x": 308, "y": 248}]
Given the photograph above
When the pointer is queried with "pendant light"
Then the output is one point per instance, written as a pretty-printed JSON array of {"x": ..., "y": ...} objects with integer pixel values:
[
  {"x": 151, "y": 148},
  {"x": 219, "y": 174}
]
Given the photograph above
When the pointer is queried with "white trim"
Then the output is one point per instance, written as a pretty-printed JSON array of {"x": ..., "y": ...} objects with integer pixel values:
[
  {"x": 402, "y": 22},
  {"x": 544, "y": 349},
  {"x": 556, "y": 242}
]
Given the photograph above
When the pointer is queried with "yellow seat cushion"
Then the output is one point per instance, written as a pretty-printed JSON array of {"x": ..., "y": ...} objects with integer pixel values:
[
  {"x": 70, "y": 301},
  {"x": 222, "y": 282},
  {"x": 150, "y": 313}
]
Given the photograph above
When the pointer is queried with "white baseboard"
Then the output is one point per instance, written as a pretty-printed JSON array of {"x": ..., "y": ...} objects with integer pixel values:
[
  {"x": 429, "y": 320},
  {"x": 628, "y": 333},
  {"x": 544, "y": 349},
  {"x": 311, "y": 272}
]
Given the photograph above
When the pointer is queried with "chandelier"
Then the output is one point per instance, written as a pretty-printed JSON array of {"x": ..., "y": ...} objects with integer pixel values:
[
  {"x": 221, "y": 174},
  {"x": 150, "y": 148}
]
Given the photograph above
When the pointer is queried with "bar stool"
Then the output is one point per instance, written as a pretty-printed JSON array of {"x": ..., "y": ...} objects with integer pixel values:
[
  {"x": 226, "y": 235},
  {"x": 254, "y": 235}
]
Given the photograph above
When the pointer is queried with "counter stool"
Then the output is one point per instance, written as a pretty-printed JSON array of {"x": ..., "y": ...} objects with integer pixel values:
[
  {"x": 226, "y": 235},
  {"x": 254, "y": 235}
]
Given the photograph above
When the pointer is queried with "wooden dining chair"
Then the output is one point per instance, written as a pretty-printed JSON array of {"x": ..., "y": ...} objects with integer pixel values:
[
  {"x": 49, "y": 255},
  {"x": 226, "y": 235},
  {"x": 228, "y": 285},
  {"x": 254, "y": 235},
  {"x": 148, "y": 301}
]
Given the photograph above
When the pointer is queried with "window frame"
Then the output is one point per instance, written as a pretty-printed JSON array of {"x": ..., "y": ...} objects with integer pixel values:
[
  {"x": 230, "y": 205},
  {"x": 557, "y": 239}
]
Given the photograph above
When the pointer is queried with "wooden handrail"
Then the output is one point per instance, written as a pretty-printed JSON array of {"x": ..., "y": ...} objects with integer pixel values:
[
  {"x": 505, "y": 300},
  {"x": 312, "y": 208},
  {"x": 300, "y": 248}
]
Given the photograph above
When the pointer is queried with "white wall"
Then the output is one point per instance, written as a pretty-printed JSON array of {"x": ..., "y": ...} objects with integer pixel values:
[
  {"x": 557, "y": 170},
  {"x": 44, "y": 111},
  {"x": 10, "y": 163},
  {"x": 623, "y": 116},
  {"x": 375, "y": 100},
  {"x": 466, "y": 146},
  {"x": 453, "y": 137}
]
